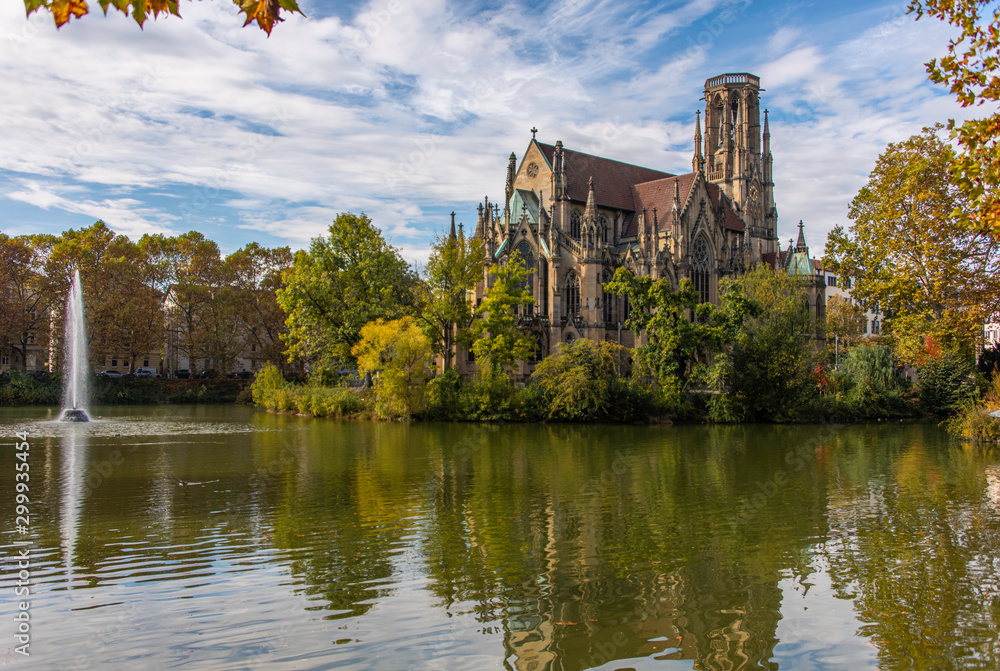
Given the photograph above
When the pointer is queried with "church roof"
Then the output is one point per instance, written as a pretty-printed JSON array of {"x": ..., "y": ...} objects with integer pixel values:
[
  {"x": 660, "y": 194},
  {"x": 614, "y": 180}
]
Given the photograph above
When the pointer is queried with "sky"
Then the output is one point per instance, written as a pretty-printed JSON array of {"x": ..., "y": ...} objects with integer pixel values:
[{"x": 408, "y": 109}]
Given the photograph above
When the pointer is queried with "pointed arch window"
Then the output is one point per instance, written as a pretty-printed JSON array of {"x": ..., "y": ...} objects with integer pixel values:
[
  {"x": 610, "y": 300},
  {"x": 572, "y": 308},
  {"x": 699, "y": 273},
  {"x": 602, "y": 225},
  {"x": 574, "y": 225}
]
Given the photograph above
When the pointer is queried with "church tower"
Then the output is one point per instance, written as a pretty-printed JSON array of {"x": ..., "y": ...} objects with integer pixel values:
[{"x": 734, "y": 157}]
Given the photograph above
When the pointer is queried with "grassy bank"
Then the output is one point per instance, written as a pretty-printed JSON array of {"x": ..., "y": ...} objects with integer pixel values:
[{"x": 22, "y": 389}]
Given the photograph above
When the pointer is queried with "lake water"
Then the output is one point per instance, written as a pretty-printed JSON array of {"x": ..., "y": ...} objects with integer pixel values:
[{"x": 223, "y": 538}]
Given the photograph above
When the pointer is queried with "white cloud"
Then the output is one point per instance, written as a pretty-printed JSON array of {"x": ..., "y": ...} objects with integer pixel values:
[{"x": 412, "y": 108}]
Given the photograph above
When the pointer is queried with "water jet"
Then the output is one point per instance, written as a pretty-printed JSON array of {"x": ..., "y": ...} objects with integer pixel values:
[{"x": 77, "y": 369}]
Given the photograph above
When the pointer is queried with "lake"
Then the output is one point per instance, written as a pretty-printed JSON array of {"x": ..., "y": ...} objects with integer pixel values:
[{"x": 206, "y": 537}]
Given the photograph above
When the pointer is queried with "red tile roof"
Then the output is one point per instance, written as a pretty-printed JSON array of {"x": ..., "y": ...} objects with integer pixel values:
[
  {"x": 660, "y": 194},
  {"x": 613, "y": 180}
]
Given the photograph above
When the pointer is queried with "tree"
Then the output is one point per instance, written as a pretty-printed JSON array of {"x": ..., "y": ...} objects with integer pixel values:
[
  {"x": 24, "y": 301},
  {"x": 674, "y": 340},
  {"x": 844, "y": 321},
  {"x": 499, "y": 342},
  {"x": 399, "y": 353},
  {"x": 265, "y": 12},
  {"x": 256, "y": 274},
  {"x": 970, "y": 70},
  {"x": 344, "y": 281},
  {"x": 910, "y": 256},
  {"x": 767, "y": 366},
  {"x": 447, "y": 313},
  {"x": 124, "y": 317},
  {"x": 579, "y": 379}
]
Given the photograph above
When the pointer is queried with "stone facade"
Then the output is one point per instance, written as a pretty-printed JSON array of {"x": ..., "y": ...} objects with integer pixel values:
[{"x": 576, "y": 218}]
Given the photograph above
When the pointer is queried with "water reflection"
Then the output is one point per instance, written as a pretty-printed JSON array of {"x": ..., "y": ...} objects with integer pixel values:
[{"x": 230, "y": 539}]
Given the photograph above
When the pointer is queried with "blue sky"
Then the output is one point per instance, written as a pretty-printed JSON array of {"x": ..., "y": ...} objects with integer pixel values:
[{"x": 408, "y": 109}]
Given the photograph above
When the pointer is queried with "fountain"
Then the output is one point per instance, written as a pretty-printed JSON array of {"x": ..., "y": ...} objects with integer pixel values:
[{"x": 76, "y": 369}]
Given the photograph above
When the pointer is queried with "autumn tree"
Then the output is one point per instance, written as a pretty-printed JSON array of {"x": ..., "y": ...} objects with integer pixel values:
[
  {"x": 399, "y": 354},
  {"x": 844, "y": 321},
  {"x": 256, "y": 275},
  {"x": 446, "y": 311},
  {"x": 970, "y": 71},
  {"x": 342, "y": 282},
  {"x": 24, "y": 300},
  {"x": 499, "y": 341},
  {"x": 265, "y": 12},
  {"x": 910, "y": 255},
  {"x": 124, "y": 317}
]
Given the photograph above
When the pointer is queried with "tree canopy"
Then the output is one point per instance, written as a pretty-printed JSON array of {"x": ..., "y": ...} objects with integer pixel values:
[
  {"x": 970, "y": 71},
  {"x": 265, "y": 12},
  {"x": 342, "y": 282},
  {"x": 446, "y": 312},
  {"x": 499, "y": 341},
  {"x": 910, "y": 256}
]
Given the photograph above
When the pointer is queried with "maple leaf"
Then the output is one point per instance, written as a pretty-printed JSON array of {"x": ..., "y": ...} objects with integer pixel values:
[
  {"x": 265, "y": 12},
  {"x": 62, "y": 10}
]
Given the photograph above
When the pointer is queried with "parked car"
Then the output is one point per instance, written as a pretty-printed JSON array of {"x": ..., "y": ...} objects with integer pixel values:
[
  {"x": 111, "y": 373},
  {"x": 182, "y": 373},
  {"x": 147, "y": 371},
  {"x": 205, "y": 374}
]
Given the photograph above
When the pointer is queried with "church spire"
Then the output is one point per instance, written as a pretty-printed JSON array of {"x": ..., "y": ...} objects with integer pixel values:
[
  {"x": 452, "y": 234},
  {"x": 509, "y": 188},
  {"x": 677, "y": 194},
  {"x": 590, "y": 212},
  {"x": 800, "y": 245},
  {"x": 698, "y": 162}
]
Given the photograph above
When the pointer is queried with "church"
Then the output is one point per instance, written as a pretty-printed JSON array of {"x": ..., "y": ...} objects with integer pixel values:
[{"x": 575, "y": 218}]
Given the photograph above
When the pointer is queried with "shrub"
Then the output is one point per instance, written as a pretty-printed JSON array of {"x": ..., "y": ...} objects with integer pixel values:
[
  {"x": 266, "y": 387},
  {"x": 973, "y": 422},
  {"x": 577, "y": 380}
]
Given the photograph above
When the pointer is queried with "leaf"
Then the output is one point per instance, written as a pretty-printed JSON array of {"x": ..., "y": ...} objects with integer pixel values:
[{"x": 62, "y": 10}]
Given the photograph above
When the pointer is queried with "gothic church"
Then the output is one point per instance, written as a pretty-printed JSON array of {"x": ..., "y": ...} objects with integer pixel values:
[{"x": 575, "y": 218}]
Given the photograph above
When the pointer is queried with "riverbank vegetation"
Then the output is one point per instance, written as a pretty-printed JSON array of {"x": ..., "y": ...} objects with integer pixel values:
[{"x": 19, "y": 388}]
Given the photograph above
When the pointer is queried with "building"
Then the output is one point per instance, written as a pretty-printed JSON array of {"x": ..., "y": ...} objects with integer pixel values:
[{"x": 575, "y": 218}]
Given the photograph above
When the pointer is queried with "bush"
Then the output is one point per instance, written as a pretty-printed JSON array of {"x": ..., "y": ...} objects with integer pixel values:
[
  {"x": 945, "y": 384},
  {"x": 267, "y": 386},
  {"x": 973, "y": 422}
]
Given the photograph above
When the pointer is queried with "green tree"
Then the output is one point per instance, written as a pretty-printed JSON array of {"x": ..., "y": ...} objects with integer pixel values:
[
  {"x": 910, "y": 255},
  {"x": 455, "y": 266},
  {"x": 767, "y": 367},
  {"x": 579, "y": 380},
  {"x": 969, "y": 70},
  {"x": 399, "y": 353},
  {"x": 344, "y": 281},
  {"x": 674, "y": 340},
  {"x": 265, "y": 12},
  {"x": 499, "y": 342},
  {"x": 24, "y": 300}
]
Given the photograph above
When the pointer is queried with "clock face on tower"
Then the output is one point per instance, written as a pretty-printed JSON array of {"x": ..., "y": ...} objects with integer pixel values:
[{"x": 753, "y": 194}]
